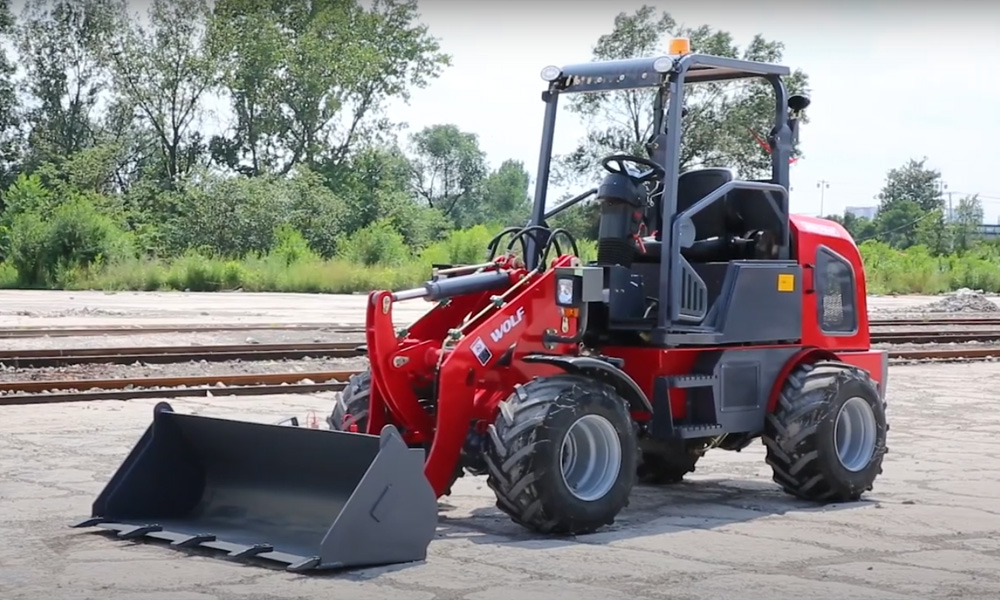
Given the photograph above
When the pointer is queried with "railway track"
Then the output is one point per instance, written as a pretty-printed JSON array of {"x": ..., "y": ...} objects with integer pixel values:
[
  {"x": 36, "y": 332},
  {"x": 39, "y": 392},
  {"x": 954, "y": 321},
  {"x": 46, "y": 392},
  {"x": 339, "y": 328},
  {"x": 116, "y": 330},
  {"x": 933, "y": 337},
  {"x": 176, "y": 354},
  {"x": 349, "y": 349}
]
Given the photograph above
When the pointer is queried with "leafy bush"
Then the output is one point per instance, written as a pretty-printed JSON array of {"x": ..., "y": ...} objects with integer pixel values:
[
  {"x": 376, "y": 244},
  {"x": 74, "y": 245},
  {"x": 27, "y": 238},
  {"x": 233, "y": 216},
  {"x": 291, "y": 247},
  {"x": 468, "y": 246},
  {"x": 26, "y": 196},
  {"x": 75, "y": 237}
]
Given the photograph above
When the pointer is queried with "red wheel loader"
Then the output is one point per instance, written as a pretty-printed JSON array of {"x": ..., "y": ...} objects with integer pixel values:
[{"x": 563, "y": 383}]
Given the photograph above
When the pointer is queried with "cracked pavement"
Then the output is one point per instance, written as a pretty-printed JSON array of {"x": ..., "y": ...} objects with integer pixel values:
[{"x": 930, "y": 528}]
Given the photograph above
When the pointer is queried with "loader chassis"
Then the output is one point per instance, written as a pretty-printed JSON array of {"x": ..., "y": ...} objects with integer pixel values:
[{"x": 710, "y": 318}]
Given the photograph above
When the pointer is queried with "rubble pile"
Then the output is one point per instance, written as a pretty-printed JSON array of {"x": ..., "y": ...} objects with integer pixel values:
[{"x": 963, "y": 300}]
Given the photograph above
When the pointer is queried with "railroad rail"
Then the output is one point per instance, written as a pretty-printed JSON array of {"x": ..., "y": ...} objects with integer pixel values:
[
  {"x": 175, "y": 354},
  {"x": 45, "y": 392},
  {"x": 923, "y": 321},
  {"x": 345, "y": 349},
  {"x": 30, "y": 331},
  {"x": 33, "y": 331},
  {"x": 37, "y": 331},
  {"x": 933, "y": 337}
]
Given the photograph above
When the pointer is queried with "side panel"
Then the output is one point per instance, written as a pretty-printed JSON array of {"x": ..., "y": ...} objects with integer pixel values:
[
  {"x": 697, "y": 385},
  {"x": 761, "y": 301},
  {"x": 834, "y": 299}
]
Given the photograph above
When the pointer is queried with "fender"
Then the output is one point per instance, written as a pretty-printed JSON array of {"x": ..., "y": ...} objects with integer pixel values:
[
  {"x": 806, "y": 355},
  {"x": 601, "y": 371}
]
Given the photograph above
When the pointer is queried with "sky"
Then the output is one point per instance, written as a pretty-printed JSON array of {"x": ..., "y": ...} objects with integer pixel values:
[{"x": 890, "y": 81}]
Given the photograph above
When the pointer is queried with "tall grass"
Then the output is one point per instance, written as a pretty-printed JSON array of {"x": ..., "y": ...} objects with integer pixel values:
[{"x": 291, "y": 266}]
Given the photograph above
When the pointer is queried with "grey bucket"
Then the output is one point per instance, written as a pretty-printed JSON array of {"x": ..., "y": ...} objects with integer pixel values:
[{"x": 306, "y": 498}]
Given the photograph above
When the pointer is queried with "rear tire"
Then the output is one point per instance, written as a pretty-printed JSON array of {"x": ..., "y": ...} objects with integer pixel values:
[
  {"x": 827, "y": 438},
  {"x": 563, "y": 424},
  {"x": 665, "y": 463}
]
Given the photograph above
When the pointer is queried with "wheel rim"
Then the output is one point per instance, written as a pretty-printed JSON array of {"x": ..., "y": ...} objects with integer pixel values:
[
  {"x": 591, "y": 456},
  {"x": 855, "y": 434}
]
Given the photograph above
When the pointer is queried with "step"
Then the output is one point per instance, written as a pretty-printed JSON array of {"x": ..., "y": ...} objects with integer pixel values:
[
  {"x": 698, "y": 431},
  {"x": 691, "y": 381}
]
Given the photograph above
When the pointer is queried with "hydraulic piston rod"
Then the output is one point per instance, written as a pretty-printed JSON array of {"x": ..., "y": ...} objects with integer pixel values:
[{"x": 456, "y": 286}]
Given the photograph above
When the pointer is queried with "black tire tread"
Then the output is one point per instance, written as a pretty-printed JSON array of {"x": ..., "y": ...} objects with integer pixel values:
[
  {"x": 664, "y": 468},
  {"x": 790, "y": 429},
  {"x": 353, "y": 401},
  {"x": 514, "y": 443}
]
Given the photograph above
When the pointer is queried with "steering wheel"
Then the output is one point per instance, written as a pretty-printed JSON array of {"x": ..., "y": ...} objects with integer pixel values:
[{"x": 654, "y": 171}]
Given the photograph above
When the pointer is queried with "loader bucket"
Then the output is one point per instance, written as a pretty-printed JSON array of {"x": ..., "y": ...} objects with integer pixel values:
[{"x": 305, "y": 498}]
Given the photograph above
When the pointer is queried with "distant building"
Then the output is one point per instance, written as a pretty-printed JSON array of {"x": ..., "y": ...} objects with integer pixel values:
[
  {"x": 989, "y": 231},
  {"x": 868, "y": 212}
]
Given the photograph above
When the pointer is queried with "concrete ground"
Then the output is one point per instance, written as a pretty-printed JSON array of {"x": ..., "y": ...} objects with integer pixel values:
[
  {"x": 19, "y": 308},
  {"x": 930, "y": 529}
]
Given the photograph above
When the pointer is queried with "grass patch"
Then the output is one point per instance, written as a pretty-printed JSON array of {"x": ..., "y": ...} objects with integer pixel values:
[{"x": 292, "y": 267}]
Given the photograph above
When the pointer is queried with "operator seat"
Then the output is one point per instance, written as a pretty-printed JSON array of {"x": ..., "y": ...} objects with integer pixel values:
[{"x": 692, "y": 186}]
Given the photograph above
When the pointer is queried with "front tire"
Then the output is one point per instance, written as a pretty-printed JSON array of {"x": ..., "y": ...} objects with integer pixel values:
[
  {"x": 562, "y": 455},
  {"x": 350, "y": 410},
  {"x": 827, "y": 439},
  {"x": 350, "y": 413}
]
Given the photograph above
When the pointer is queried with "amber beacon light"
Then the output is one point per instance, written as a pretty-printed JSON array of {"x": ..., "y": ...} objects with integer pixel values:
[{"x": 680, "y": 46}]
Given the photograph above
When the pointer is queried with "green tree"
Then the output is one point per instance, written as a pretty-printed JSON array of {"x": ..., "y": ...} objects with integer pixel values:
[
  {"x": 10, "y": 110},
  {"x": 722, "y": 118},
  {"x": 308, "y": 80},
  {"x": 375, "y": 185},
  {"x": 911, "y": 209},
  {"x": 860, "y": 228},
  {"x": 163, "y": 72},
  {"x": 60, "y": 45},
  {"x": 449, "y": 171},
  {"x": 967, "y": 219},
  {"x": 505, "y": 195}
]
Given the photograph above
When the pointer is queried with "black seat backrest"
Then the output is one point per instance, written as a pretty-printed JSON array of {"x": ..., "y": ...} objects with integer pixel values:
[{"x": 694, "y": 185}]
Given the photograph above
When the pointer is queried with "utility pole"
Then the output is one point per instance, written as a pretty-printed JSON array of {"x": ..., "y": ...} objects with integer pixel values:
[
  {"x": 822, "y": 185},
  {"x": 941, "y": 187}
]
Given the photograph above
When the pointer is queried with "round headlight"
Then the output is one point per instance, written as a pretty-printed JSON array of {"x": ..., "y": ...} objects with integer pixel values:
[
  {"x": 551, "y": 73},
  {"x": 664, "y": 64}
]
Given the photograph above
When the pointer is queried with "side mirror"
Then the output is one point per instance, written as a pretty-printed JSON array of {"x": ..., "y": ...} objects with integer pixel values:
[{"x": 798, "y": 103}]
